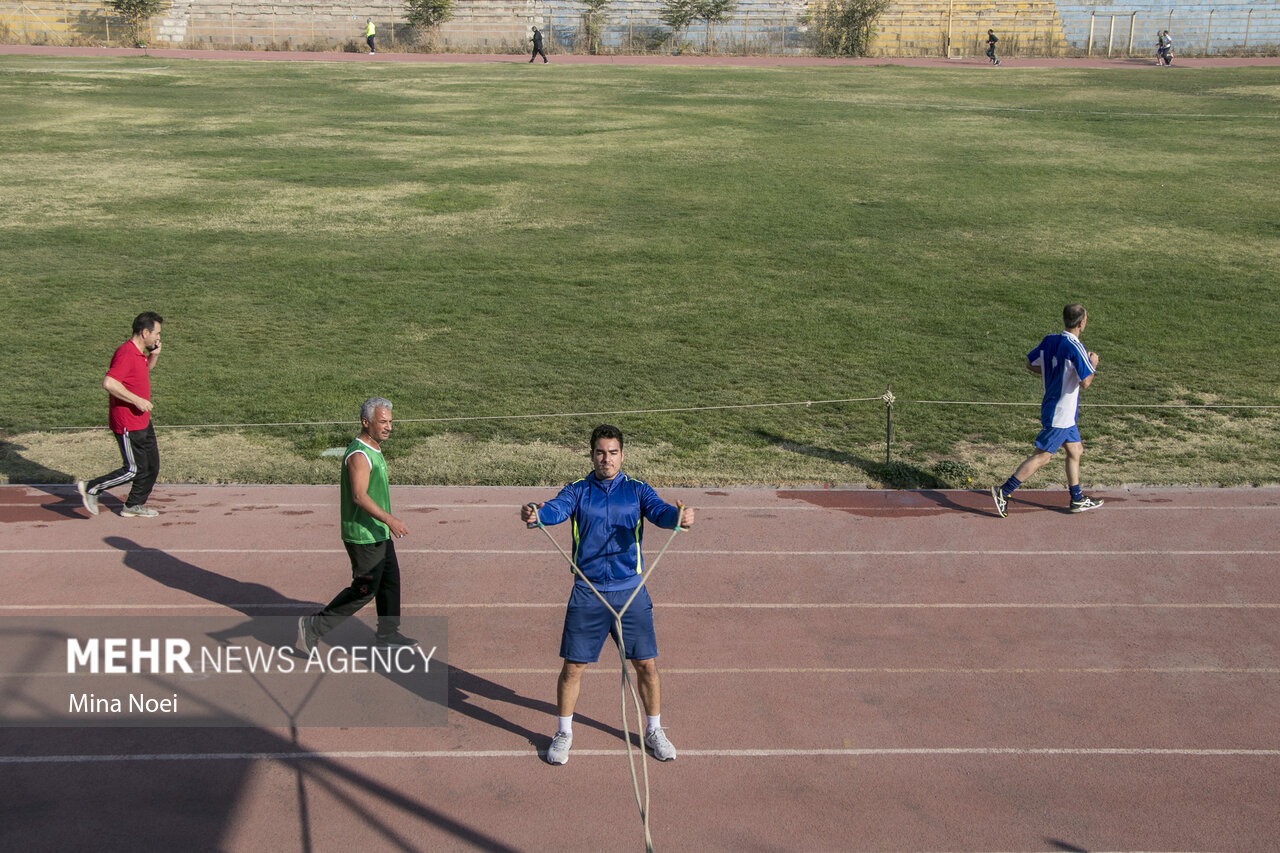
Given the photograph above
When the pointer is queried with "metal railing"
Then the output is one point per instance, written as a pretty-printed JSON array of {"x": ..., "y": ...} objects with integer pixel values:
[
  {"x": 1198, "y": 30},
  {"x": 757, "y": 28}
]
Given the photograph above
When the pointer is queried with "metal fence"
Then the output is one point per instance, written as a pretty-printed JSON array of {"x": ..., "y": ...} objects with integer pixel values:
[
  {"x": 1129, "y": 29},
  {"x": 758, "y": 27}
]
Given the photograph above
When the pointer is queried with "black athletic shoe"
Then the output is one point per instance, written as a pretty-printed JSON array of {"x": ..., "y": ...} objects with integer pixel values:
[
  {"x": 1001, "y": 502},
  {"x": 394, "y": 641},
  {"x": 1085, "y": 505},
  {"x": 307, "y": 637}
]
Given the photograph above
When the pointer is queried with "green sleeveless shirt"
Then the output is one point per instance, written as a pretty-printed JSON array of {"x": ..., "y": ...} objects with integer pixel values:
[{"x": 357, "y": 525}]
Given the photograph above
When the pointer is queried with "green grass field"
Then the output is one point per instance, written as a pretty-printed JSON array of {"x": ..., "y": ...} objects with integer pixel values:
[{"x": 494, "y": 240}]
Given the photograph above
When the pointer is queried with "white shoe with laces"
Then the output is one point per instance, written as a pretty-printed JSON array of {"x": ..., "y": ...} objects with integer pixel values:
[
  {"x": 1085, "y": 505},
  {"x": 656, "y": 739},
  {"x": 558, "y": 752}
]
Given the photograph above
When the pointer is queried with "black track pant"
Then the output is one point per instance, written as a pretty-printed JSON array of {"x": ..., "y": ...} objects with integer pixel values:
[
  {"x": 141, "y": 458},
  {"x": 375, "y": 575}
]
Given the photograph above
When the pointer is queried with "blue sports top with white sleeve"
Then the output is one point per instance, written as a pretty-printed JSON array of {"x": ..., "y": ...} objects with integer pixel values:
[{"x": 1064, "y": 364}]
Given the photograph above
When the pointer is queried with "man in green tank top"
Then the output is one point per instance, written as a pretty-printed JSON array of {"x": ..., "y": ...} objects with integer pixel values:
[{"x": 368, "y": 531}]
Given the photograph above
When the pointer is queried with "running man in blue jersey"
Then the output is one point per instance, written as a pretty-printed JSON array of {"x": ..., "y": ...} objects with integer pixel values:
[
  {"x": 608, "y": 510},
  {"x": 1067, "y": 368}
]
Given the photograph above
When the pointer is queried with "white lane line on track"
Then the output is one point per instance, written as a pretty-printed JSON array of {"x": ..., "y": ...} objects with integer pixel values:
[
  {"x": 687, "y": 605},
  {"x": 819, "y": 670},
  {"x": 881, "y": 552},
  {"x": 866, "y": 671},
  {"x": 802, "y": 506},
  {"x": 833, "y": 670},
  {"x": 962, "y": 605},
  {"x": 799, "y": 506},
  {"x": 852, "y": 752}
]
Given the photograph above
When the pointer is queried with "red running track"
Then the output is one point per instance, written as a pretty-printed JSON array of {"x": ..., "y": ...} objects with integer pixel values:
[{"x": 843, "y": 670}]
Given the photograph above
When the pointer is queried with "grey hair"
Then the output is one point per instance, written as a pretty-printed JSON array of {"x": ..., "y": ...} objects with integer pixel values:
[
  {"x": 371, "y": 405},
  {"x": 1073, "y": 315}
]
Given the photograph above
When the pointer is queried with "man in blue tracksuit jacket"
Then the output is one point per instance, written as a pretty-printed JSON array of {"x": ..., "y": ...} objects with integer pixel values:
[{"x": 608, "y": 510}]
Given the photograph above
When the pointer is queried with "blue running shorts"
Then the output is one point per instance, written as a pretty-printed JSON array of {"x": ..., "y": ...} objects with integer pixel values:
[
  {"x": 1049, "y": 440},
  {"x": 587, "y": 623}
]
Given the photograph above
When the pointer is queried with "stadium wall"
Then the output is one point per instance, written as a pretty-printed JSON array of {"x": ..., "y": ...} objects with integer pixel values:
[{"x": 908, "y": 28}]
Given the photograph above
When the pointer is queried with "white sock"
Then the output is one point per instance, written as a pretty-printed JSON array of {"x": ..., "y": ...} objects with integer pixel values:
[
  {"x": 654, "y": 722},
  {"x": 566, "y": 724}
]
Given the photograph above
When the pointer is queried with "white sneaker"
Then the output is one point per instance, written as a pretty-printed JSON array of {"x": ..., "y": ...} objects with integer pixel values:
[
  {"x": 1085, "y": 505},
  {"x": 558, "y": 752},
  {"x": 138, "y": 512},
  {"x": 662, "y": 748},
  {"x": 90, "y": 501},
  {"x": 1001, "y": 501}
]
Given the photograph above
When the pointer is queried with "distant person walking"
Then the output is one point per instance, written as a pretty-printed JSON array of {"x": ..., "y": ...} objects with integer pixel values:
[
  {"x": 368, "y": 528},
  {"x": 1066, "y": 369},
  {"x": 537, "y": 46},
  {"x": 1164, "y": 48},
  {"x": 991, "y": 47},
  {"x": 128, "y": 387},
  {"x": 369, "y": 32}
]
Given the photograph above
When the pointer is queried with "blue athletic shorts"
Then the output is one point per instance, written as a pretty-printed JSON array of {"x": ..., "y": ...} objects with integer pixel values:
[
  {"x": 587, "y": 623},
  {"x": 1049, "y": 440}
]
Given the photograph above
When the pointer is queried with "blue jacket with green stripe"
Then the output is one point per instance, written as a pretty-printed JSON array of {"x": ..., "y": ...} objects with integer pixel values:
[{"x": 608, "y": 526}]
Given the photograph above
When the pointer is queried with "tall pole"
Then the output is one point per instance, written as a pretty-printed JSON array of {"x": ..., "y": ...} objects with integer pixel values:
[{"x": 946, "y": 49}]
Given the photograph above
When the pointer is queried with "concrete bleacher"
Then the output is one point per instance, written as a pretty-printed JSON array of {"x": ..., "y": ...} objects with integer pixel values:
[
  {"x": 756, "y": 26},
  {"x": 37, "y": 22},
  {"x": 959, "y": 28},
  {"x": 908, "y": 28}
]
